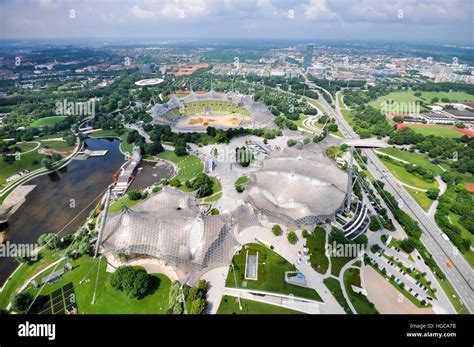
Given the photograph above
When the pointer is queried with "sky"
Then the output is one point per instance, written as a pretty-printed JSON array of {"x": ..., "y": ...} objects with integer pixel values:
[{"x": 446, "y": 21}]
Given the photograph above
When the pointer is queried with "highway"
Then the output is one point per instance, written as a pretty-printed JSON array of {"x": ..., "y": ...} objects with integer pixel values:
[{"x": 460, "y": 275}]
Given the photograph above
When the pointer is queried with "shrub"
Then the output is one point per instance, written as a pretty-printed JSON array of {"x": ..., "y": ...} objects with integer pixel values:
[
  {"x": 276, "y": 230},
  {"x": 292, "y": 238}
]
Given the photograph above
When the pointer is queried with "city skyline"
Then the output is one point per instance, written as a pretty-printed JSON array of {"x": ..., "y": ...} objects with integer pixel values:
[{"x": 402, "y": 20}]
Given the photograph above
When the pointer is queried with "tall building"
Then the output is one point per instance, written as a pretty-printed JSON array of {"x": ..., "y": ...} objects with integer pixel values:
[{"x": 308, "y": 58}]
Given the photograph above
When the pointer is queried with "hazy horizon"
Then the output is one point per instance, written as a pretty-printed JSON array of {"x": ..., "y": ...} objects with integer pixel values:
[{"x": 428, "y": 21}]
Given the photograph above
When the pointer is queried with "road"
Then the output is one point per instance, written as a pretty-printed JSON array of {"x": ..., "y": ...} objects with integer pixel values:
[{"x": 461, "y": 275}]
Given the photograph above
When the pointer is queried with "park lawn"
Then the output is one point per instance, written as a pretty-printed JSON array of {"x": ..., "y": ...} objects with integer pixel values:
[
  {"x": 271, "y": 273},
  {"x": 46, "y": 121},
  {"x": 466, "y": 234},
  {"x": 452, "y": 96},
  {"x": 335, "y": 288},
  {"x": 29, "y": 161},
  {"x": 401, "y": 96},
  {"x": 299, "y": 122},
  {"x": 421, "y": 198},
  {"x": 436, "y": 131},
  {"x": 360, "y": 302},
  {"x": 56, "y": 145},
  {"x": 23, "y": 273},
  {"x": 242, "y": 180},
  {"x": 348, "y": 116},
  {"x": 316, "y": 243},
  {"x": 412, "y": 158},
  {"x": 337, "y": 263},
  {"x": 108, "y": 299},
  {"x": 23, "y": 146},
  {"x": 189, "y": 166},
  {"x": 116, "y": 206},
  {"x": 230, "y": 305},
  {"x": 213, "y": 198},
  {"x": 405, "y": 177}
]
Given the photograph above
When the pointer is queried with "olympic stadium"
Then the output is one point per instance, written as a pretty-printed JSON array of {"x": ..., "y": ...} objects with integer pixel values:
[{"x": 197, "y": 111}]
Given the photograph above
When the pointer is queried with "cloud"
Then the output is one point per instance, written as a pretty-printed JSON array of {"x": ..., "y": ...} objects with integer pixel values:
[
  {"x": 317, "y": 10},
  {"x": 174, "y": 9}
]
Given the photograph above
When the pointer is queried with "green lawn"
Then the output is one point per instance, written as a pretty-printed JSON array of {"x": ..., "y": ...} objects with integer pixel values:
[
  {"x": 421, "y": 198},
  {"x": 116, "y": 206},
  {"x": 46, "y": 121},
  {"x": 189, "y": 166},
  {"x": 23, "y": 147},
  {"x": 271, "y": 273},
  {"x": 360, "y": 302},
  {"x": 401, "y": 96},
  {"x": 337, "y": 263},
  {"x": 213, "y": 198},
  {"x": 464, "y": 234},
  {"x": 436, "y": 131},
  {"x": 335, "y": 288},
  {"x": 23, "y": 273},
  {"x": 108, "y": 299},
  {"x": 316, "y": 243},
  {"x": 452, "y": 96},
  {"x": 412, "y": 158},
  {"x": 230, "y": 305},
  {"x": 404, "y": 176},
  {"x": 29, "y": 161},
  {"x": 241, "y": 181},
  {"x": 56, "y": 145}
]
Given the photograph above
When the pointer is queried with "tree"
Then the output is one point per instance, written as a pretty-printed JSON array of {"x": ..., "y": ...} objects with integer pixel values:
[
  {"x": 47, "y": 163},
  {"x": 198, "y": 306},
  {"x": 134, "y": 282},
  {"x": 291, "y": 142},
  {"x": 374, "y": 223},
  {"x": 203, "y": 184},
  {"x": 50, "y": 241},
  {"x": 432, "y": 194},
  {"x": 276, "y": 230},
  {"x": 135, "y": 195},
  {"x": 292, "y": 238},
  {"x": 21, "y": 302},
  {"x": 56, "y": 157}
]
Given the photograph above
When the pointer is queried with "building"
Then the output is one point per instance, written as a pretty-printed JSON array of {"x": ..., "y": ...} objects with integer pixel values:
[
  {"x": 436, "y": 118},
  {"x": 461, "y": 115},
  {"x": 298, "y": 187},
  {"x": 170, "y": 226},
  {"x": 308, "y": 58}
]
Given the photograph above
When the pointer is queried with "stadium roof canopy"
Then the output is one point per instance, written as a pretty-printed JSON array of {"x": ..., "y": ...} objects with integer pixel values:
[
  {"x": 261, "y": 115},
  {"x": 299, "y": 187},
  {"x": 168, "y": 225}
]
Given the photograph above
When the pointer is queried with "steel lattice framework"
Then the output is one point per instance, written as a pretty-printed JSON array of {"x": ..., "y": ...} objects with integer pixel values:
[
  {"x": 261, "y": 116},
  {"x": 299, "y": 187},
  {"x": 168, "y": 225}
]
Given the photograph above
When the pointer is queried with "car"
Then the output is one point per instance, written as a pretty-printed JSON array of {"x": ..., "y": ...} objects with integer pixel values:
[
  {"x": 417, "y": 282},
  {"x": 429, "y": 298},
  {"x": 404, "y": 273},
  {"x": 416, "y": 295},
  {"x": 410, "y": 290},
  {"x": 400, "y": 270}
]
